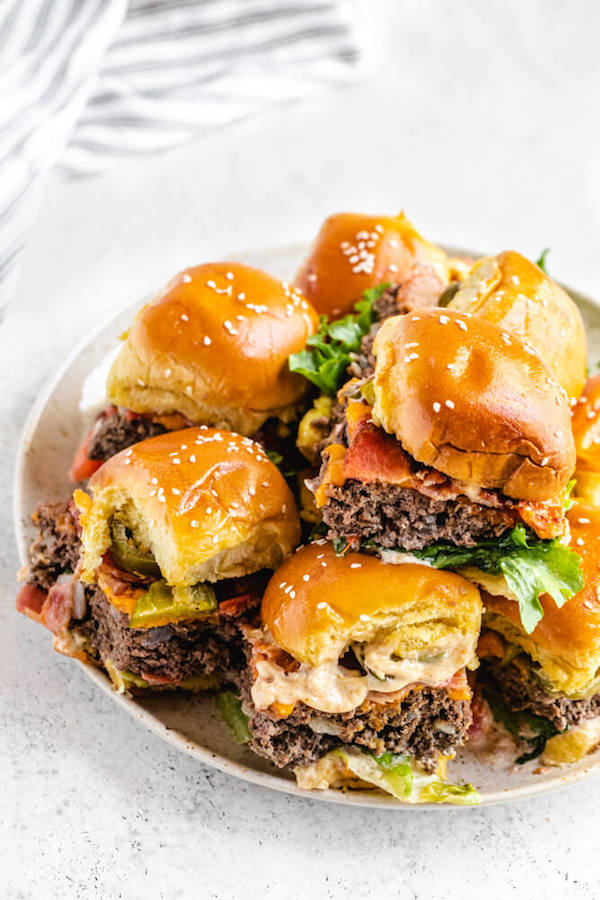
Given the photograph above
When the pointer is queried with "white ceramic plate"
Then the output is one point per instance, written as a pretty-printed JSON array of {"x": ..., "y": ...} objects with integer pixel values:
[{"x": 52, "y": 432}]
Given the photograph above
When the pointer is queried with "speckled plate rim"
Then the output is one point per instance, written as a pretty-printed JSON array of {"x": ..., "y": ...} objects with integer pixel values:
[{"x": 554, "y": 780}]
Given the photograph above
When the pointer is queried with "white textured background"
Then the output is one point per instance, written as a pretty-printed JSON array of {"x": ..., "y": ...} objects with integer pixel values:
[{"x": 481, "y": 120}]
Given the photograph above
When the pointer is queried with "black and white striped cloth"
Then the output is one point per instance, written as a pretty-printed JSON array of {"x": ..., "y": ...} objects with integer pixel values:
[{"x": 87, "y": 82}]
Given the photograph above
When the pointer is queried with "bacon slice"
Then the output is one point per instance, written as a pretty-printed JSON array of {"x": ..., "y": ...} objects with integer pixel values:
[
  {"x": 235, "y": 606},
  {"x": 375, "y": 456},
  {"x": 30, "y": 601}
]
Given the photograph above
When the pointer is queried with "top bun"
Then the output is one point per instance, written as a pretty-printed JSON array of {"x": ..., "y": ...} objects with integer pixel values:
[
  {"x": 208, "y": 504},
  {"x": 518, "y": 296},
  {"x": 214, "y": 346},
  {"x": 317, "y": 602},
  {"x": 354, "y": 252},
  {"x": 566, "y": 641},
  {"x": 464, "y": 397},
  {"x": 586, "y": 431}
]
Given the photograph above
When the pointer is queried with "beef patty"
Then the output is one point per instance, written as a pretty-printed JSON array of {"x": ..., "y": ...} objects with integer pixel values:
[
  {"x": 115, "y": 431},
  {"x": 524, "y": 694},
  {"x": 425, "y": 723},
  {"x": 56, "y": 547},
  {"x": 174, "y": 652},
  {"x": 396, "y": 517}
]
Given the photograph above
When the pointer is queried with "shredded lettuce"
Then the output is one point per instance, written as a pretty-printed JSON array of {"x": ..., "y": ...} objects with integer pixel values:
[
  {"x": 522, "y": 726},
  {"x": 396, "y": 774},
  {"x": 530, "y": 566},
  {"x": 328, "y": 352},
  {"x": 230, "y": 709}
]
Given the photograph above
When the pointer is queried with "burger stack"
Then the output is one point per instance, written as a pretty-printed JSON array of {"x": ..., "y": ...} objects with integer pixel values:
[{"x": 343, "y": 506}]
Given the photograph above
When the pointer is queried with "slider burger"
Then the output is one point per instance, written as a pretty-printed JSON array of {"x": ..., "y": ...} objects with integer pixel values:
[
  {"x": 212, "y": 348},
  {"x": 520, "y": 298},
  {"x": 459, "y": 450},
  {"x": 354, "y": 253},
  {"x": 364, "y": 659},
  {"x": 549, "y": 679},
  {"x": 178, "y": 537},
  {"x": 586, "y": 431}
]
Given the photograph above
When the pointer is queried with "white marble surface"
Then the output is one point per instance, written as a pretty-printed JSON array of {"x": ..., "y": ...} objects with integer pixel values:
[{"x": 481, "y": 120}]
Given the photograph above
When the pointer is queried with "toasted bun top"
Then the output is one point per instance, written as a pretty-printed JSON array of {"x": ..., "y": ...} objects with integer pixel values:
[
  {"x": 566, "y": 641},
  {"x": 520, "y": 298},
  {"x": 474, "y": 402},
  {"x": 208, "y": 504},
  {"x": 354, "y": 252},
  {"x": 214, "y": 345},
  {"x": 317, "y": 600},
  {"x": 586, "y": 426}
]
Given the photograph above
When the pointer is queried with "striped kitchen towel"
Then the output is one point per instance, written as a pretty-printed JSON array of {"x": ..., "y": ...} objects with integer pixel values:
[{"x": 86, "y": 82}]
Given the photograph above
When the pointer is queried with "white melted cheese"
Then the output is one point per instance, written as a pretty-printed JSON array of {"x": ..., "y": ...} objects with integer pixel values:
[{"x": 330, "y": 688}]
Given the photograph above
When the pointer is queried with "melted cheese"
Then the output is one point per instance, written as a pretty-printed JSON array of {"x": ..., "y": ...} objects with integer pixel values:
[{"x": 330, "y": 688}]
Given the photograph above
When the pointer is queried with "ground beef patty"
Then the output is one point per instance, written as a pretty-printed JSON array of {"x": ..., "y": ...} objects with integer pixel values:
[
  {"x": 397, "y": 517},
  {"x": 176, "y": 652},
  {"x": 425, "y": 723},
  {"x": 116, "y": 431},
  {"x": 523, "y": 694},
  {"x": 56, "y": 548}
]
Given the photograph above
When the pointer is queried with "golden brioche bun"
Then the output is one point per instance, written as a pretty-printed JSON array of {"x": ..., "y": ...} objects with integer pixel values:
[
  {"x": 520, "y": 298},
  {"x": 354, "y": 252},
  {"x": 214, "y": 346},
  {"x": 316, "y": 601},
  {"x": 209, "y": 505},
  {"x": 464, "y": 397},
  {"x": 586, "y": 431},
  {"x": 566, "y": 641}
]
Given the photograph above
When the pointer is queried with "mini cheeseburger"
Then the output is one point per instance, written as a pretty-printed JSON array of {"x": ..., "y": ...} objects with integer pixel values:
[
  {"x": 354, "y": 252},
  {"x": 553, "y": 672},
  {"x": 351, "y": 654},
  {"x": 520, "y": 298},
  {"x": 212, "y": 348},
  {"x": 586, "y": 431},
  {"x": 179, "y": 535},
  {"x": 458, "y": 450}
]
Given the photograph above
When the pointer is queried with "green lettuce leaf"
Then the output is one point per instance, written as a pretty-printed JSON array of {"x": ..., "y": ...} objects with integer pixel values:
[
  {"x": 328, "y": 352},
  {"x": 541, "y": 262},
  {"x": 230, "y": 709},
  {"x": 401, "y": 776},
  {"x": 522, "y": 726},
  {"x": 530, "y": 566}
]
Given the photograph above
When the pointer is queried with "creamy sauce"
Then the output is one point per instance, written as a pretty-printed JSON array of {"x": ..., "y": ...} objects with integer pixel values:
[{"x": 330, "y": 688}]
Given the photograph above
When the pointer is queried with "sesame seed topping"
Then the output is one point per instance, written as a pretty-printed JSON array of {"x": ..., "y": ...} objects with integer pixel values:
[
  {"x": 168, "y": 373},
  {"x": 449, "y": 404},
  {"x": 393, "y": 267},
  {"x": 229, "y": 276},
  {"x": 583, "y": 521},
  {"x": 154, "y": 480},
  {"x": 176, "y": 491},
  {"x": 194, "y": 523},
  {"x": 184, "y": 317},
  {"x": 175, "y": 461},
  {"x": 322, "y": 605},
  {"x": 211, "y": 284},
  {"x": 356, "y": 565},
  {"x": 306, "y": 578},
  {"x": 444, "y": 320},
  {"x": 461, "y": 324},
  {"x": 363, "y": 618},
  {"x": 580, "y": 542},
  {"x": 206, "y": 341},
  {"x": 208, "y": 510},
  {"x": 192, "y": 458},
  {"x": 437, "y": 406},
  {"x": 186, "y": 278},
  {"x": 545, "y": 460},
  {"x": 241, "y": 295}
]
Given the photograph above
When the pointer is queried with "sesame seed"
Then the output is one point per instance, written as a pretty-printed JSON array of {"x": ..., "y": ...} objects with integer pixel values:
[
  {"x": 324, "y": 565},
  {"x": 580, "y": 542},
  {"x": 449, "y": 404},
  {"x": 379, "y": 228},
  {"x": 393, "y": 267},
  {"x": 583, "y": 521},
  {"x": 215, "y": 538},
  {"x": 141, "y": 383},
  {"x": 252, "y": 491},
  {"x": 229, "y": 276},
  {"x": 168, "y": 373},
  {"x": 437, "y": 406},
  {"x": 192, "y": 458},
  {"x": 515, "y": 279},
  {"x": 206, "y": 341},
  {"x": 461, "y": 324},
  {"x": 363, "y": 618},
  {"x": 306, "y": 578},
  {"x": 283, "y": 584},
  {"x": 241, "y": 295},
  {"x": 558, "y": 433},
  {"x": 184, "y": 317},
  {"x": 444, "y": 320},
  {"x": 545, "y": 460},
  {"x": 356, "y": 565},
  {"x": 154, "y": 480},
  {"x": 175, "y": 461},
  {"x": 211, "y": 284},
  {"x": 186, "y": 278},
  {"x": 208, "y": 510},
  {"x": 320, "y": 555},
  {"x": 183, "y": 447},
  {"x": 194, "y": 523},
  {"x": 321, "y": 605},
  {"x": 176, "y": 491}
]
